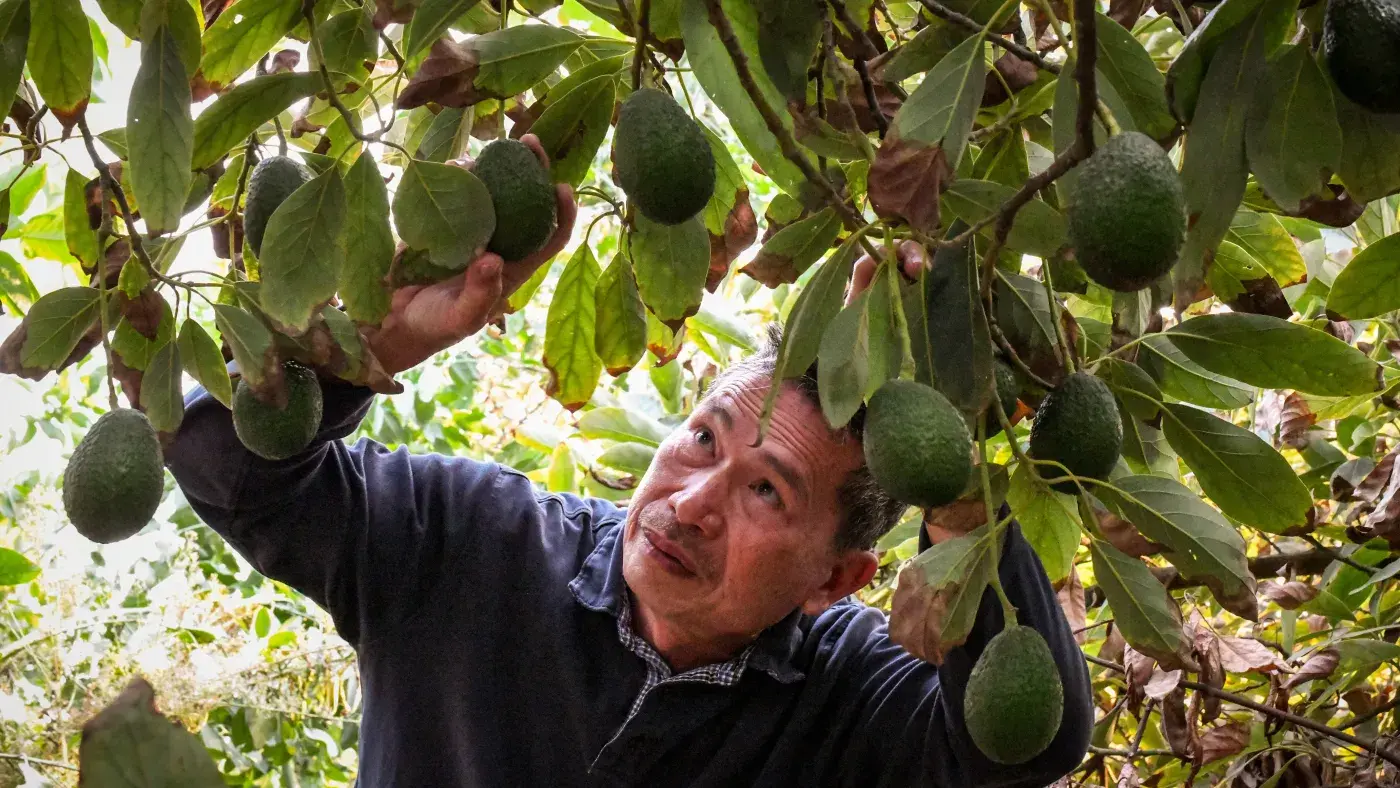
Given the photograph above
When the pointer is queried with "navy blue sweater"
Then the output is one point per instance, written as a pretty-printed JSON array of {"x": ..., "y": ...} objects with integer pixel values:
[{"x": 484, "y": 616}]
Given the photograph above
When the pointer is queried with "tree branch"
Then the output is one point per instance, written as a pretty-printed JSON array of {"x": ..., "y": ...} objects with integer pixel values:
[
  {"x": 1086, "y": 52},
  {"x": 110, "y": 185},
  {"x": 786, "y": 143},
  {"x": 1371, "y": 715},
  {"x": 642, "y": 29},
  {"x": 1288, "y": 716},
  {"x": 968, "y": 23}
]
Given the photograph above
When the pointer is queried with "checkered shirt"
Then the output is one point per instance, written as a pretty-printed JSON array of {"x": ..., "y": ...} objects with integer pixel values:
[{"x": 724, "y": 674}]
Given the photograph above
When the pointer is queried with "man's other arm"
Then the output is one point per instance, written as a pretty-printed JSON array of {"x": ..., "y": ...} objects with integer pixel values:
[
  {"x": 365, "y": 532},
  {"x": 913, "y": 727}
]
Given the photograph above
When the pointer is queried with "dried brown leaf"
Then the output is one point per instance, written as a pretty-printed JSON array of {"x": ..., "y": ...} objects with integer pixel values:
[
  {"x": 1384, "y": 520},
  {"x": 1375, "y": 482},
  {"x": 955, "y": 519},
  {"x": 143, "y": 312},
  {"x": 1128, "y": 777},
  {"x": 1114, "y": 645},
  {"x": 1242, "y": 655},
  {"x": 1290, "y": 595},
  {"x": 740, "y": 232},
  {"x": 285, "y": 60},
  {"x": 1125, "y": 536},
  {"x": 13, "y": 346},
  {"x": 1176, "y": 726},
  {"x": 1222, "y": 741},
  {"x": 1015, "y": 72},
  {"x": 1126, "y": 12},
  {"x": 916, "y": 616},
  {"x": 1319, "y": 666},
  {"x": 906, "y": 180},
  {"x": 1137, "y": 669},
  {"x": 1162, "y": 683},
  {"x": 1295, "y": 421},
  {"x": 1070, "y": 595},
  {"x": 445, "y": 78}
]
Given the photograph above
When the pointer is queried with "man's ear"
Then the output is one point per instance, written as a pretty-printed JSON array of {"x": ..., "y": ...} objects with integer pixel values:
[{"x": 851, "y": 572}]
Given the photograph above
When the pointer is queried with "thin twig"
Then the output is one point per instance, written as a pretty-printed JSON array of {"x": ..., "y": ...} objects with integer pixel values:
[
  {"x": 786, "y": 143},
  {"x": 11, "y": 756},
  {"x": 110, "y": 185},
  {"x": 1288, "y": 716},
  {"x": 1372, "y": 714},
  {"x": 1312, "y": 540},
  {"x": 949, "y": 15},
  {"x": 352, "y": 121},
  {"x": 642, "y": 29},
  {"x": 870, "y": 98},
  {"x": 1086, "y": 50}
]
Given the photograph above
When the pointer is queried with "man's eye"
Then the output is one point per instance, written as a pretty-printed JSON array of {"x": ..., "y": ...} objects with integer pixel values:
[
  {"x": 768, "y": 492},
  {"x": 704, "y": 437}
]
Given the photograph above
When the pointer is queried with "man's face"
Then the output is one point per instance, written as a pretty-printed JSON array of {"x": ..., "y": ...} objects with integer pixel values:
[{"x": 724, "y": 539}]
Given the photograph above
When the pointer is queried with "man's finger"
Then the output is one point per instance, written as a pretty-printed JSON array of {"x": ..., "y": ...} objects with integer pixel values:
[
  {"x": 535, "y": 145},
  {"x": 913, "y": 259},
  {"x": 480, "y": 292},
  {"x": 861, "y": 277}
]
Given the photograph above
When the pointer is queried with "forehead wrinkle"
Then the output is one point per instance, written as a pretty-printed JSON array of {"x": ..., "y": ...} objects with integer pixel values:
[{"x": 795, "y": 434}]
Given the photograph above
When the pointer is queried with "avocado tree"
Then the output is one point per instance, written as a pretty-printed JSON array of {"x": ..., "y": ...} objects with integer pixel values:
[{"x": 1140, "y": 255}]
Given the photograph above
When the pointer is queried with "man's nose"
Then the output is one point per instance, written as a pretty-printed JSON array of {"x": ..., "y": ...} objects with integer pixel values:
[{"x": 698, "y": 504}]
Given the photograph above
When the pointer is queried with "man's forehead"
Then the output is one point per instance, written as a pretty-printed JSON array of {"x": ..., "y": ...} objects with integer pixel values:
[{"x": 797, "y": 422}]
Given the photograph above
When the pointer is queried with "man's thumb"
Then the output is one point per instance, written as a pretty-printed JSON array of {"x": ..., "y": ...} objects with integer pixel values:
[{"x": 481, "y": 289}]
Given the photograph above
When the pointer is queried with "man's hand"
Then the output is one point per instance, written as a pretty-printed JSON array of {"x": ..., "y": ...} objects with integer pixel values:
[
  {"x": 425, "y": 319},
  {"x": 913, "y": 259}
]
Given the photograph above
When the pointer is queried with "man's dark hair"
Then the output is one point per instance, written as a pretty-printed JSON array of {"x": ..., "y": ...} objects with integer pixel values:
[{"x": 867, "y": 511}]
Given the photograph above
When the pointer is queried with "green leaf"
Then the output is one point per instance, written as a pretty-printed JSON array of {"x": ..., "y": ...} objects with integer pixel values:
[
  {"x": 817, "y": 305},
  {"x": 14, "y": 42},
  {"x": 723, "y": 327},
  {"x": 1048, "y": 521},
  {"x": 137, "y": 350},
  {"x": 888, "y": 330},
  {"x": 115, "y": 140},
  {"x": 1230, "y": 270},
  {"x": 513, "y": 60},
  {"x": 82, "y": 239},
  {"x": 561, "y": 477},
  {"x": 1369, "y": 286},
  {"x": 55, "y": 324},
  {"x": 1142, "y": 609},
  {"x": 1272, "y": 353},
  {"x": 1214, "y": 169},
  {"x": 622, "y": 424},
  {"x": 1127, "y": 66},
  {"x": 569, "y": 350},
  {"x": 44, "y": 236},
  {"x": 17, "y": 290},
  {"x": 248, "y": 339},
  {"x": 843, "y": 363},
  {"x": 1266, "y": 240},
  {"x": 348, "y": 41},
  {"x": 446, "y": 137},
  {"x": 125, "y": 15},
  {"x": 366, "y": 243},
  {"x": 60, "y": 54},
  {"x": 573, "y": 127},
  {"x": 15, "y": 569},
  {"x": 130, "y": 745},
  {"x": 236, "y": 114},
  {"x": 1291, "y": 135},
  {"x": 1242, "y": 474},
  {"x": 793, "y": 249},
  {"x": 525, "y": 292},
  {"x": 300, "y": 260},
  {"x": 633, "y": 458},
  {"x": 788, "y": 34},
  {"x": 1024, "y": 316},
  {"x": 1188, "y": 69},
  {"x": 1359, "y": 652},
  {"x": 941, "y": 110},
  {"x": 1038, "y": 229},
  {"x": 204, "y": 362},
  {"x": 161, "y": 394},
  {"x": 237, "y": 40},
  {"x": 671, "y": 262},
  {"x": 924, "y": 50},
  {"x": 1136, "y": 389},
  {"x": 958, "y": 336},
  {"x": 160, "y": 134},
  {"x": 958, "y": 571},
  {"x": 1202, "y": 544},
  {"x": 715, "y": 72},
  {"x": 176, "y": 15},
  {"x": 620, "y": 338},
  {"x": 445, "y": 210},
  {"x": 430, "y": 21},
  {"x": 1370, "y": 165}
]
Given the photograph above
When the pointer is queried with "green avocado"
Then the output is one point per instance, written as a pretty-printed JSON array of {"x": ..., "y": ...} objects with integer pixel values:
[
  {"x": 115, "y": 478},
  {"x": 523, "y": 196},
  {"x": 1014, "y": 699},
  {"x": 1077, "y": 426},
  {"x": 664, "y": 162},
  {"x": 272, "y": 181},
  {"x": 916, "y": 444},
  {"x": 278, "y": 433},
  {"x": 1127, "y": 213},
  {"x": 1008, "y": 391},
  {"x": 1361, "y": 45}
]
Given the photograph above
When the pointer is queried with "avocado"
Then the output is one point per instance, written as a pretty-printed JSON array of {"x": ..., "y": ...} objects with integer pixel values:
[
  {"x": 523, "y": 196},
  {"x": 1077, "y": 426},
  {"x": 1361, "y": 45},
  {"x": 272, "y": 181},
  {"x": 1014, "y": 698},
  {"x": 278, "y": 433},
  {"x": 916, "y": 444},
  {"x": 1127, "y": 213},
  {"x": 1008, "y": 390},
  {"x": 115, "y": 478},
  {"x": 664, "y": 162}
]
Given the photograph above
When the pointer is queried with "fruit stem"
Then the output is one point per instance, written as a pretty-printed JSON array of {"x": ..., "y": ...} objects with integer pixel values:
[
  {"x": 1008, "y": 610},
  {"x": 1068, "y": 358},
  {"x": 106, "y": 329},
  {"x": 642, "y": 28}
]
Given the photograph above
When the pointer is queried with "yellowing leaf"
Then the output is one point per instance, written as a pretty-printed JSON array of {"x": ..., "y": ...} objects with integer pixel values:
[{"x": 569, "y": 351}]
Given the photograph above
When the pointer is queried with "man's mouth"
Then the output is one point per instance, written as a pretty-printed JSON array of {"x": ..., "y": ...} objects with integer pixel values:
[{"x": 668, "y": 553}]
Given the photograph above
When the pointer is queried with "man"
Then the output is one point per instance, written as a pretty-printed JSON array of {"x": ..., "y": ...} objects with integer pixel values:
[{"x": 701, "y": 637}]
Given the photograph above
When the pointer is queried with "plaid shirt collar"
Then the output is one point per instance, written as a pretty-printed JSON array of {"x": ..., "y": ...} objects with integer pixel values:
[{"x": 599, "y": 586}]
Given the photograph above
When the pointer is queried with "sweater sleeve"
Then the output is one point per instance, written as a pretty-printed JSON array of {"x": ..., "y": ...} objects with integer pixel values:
[
  {"x": 365, "y": 532},
  {"x": 912, "y": 727}
]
